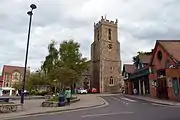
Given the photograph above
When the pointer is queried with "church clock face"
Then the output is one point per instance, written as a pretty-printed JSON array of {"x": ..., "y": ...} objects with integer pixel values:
[{"x": 110, "y": 46}]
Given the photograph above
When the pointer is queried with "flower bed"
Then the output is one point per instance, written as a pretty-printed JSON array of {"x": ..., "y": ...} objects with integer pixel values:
[{"x": 53, "y": 102}]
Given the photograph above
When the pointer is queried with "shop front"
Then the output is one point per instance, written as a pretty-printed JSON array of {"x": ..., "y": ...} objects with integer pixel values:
[{"x": 173, "y": 83}]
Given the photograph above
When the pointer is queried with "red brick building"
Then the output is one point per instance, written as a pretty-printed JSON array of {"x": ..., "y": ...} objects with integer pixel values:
[
  {"x": 136, "y": 75},
  {"x": 11, "y": 75},
  {"x": 164, "y": 71},
  {"x": 128, "y": 69},
  {"x": 1, "y": 81}
]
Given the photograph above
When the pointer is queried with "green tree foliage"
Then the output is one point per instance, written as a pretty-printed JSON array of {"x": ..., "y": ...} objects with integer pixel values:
[
  {"x": 51, "y": 58},
  {"x": 64, "y": 64},
  {"x": 17, "y": 85},
  {"x": 136, "y": 59},
  {"x": 36, "y": 79}
]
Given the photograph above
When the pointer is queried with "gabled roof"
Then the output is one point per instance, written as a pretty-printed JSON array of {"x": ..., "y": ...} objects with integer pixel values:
[
  {"x": 145, "y": 58},
  {"x": 171, "y": 47},
  {"x": 129, "y": 68},
  {"x": 11, "y": 69}
]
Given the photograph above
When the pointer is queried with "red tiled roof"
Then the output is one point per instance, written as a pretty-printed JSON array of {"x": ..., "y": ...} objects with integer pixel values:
[
  {"x": 145, "y": 58},
  {"x": 129, "y": 68},
  {"x": 11, "y": 69},
  {"x": 172, "y": 47}
]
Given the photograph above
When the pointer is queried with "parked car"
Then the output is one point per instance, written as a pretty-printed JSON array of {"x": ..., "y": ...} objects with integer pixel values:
[
  {"x": 82, "y": 91},
  {"x": 92, "y": 90}
]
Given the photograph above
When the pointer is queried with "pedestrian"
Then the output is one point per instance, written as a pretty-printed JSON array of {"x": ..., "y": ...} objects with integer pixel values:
[{"x": 68, "y": 95}]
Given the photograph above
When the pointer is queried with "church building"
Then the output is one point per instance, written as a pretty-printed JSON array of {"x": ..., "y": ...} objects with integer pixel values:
[{"x": 105, "y": 57}]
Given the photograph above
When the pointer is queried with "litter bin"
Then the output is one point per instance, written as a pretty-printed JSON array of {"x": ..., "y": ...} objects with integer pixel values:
[{"x": 61, "y": 100}]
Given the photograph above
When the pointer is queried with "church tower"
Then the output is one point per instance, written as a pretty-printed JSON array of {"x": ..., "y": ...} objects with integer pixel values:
[{"x": 105, "y": 57}]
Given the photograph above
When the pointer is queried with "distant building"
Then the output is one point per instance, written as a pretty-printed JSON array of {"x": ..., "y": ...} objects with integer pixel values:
[
  {"x": 12, "y": 75},
  {"x": 105, "y": 57},
  {"x": 85, "y": 79},
  {"x": 139, "y": 79},
  {"x": 128, "y": 70}
]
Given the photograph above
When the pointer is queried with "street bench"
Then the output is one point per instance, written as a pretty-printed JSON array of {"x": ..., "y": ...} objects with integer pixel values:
[{"x": 8, "y": 107}]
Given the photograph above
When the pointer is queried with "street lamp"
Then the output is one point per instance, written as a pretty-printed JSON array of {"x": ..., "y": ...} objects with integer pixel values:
[{"x": 30, "y": 13}]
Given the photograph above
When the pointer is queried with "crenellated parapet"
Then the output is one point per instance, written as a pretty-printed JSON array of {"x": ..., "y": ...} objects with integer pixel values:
[{"x": 105, "y": 22}]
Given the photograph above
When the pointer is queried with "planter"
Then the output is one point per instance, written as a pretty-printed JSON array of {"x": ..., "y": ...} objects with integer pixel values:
[
  {"x": 8, "y": 107},
  {"x": 55, "y": 103}
]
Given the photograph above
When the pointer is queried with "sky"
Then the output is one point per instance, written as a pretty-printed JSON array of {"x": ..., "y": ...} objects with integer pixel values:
[{"x": 140, "y": 24}]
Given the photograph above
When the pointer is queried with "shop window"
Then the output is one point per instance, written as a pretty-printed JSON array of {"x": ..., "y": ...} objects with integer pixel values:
[{"x": 175, "y": 86}]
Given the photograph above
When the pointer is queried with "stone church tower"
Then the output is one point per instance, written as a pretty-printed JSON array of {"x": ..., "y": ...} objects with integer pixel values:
[{"x": 105, "y": 57}]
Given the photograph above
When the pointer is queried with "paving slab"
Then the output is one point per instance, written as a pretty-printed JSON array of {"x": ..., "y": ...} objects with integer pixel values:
[
  {"x": 154, "y": 100},
  {"x": 33, "y": 106}
]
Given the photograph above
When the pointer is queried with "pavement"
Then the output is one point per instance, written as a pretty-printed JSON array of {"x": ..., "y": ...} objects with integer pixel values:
[
  {"x": 32, "y": 107},
  {"x": 154, "y": 100},
  {"x": 119, "y": 107},
  {"x": 26, "y": 97}
]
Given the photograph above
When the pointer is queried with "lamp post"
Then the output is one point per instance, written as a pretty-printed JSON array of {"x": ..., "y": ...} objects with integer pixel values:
[{"x": 30, "y": 13}]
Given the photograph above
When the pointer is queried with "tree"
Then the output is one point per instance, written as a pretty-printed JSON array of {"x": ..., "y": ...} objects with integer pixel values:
[
  {"x": 136, "y": 59},
  {"x": 17, "y": 85},
  {"x": 66, "y": 64},
  {"x": 51, "y": 58},
  {"x": 71, "y": 57},
  {"x": 36, "y": 80}
]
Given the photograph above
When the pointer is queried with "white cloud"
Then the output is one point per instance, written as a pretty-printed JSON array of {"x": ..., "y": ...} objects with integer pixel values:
[{"x": 140, "y": 22}]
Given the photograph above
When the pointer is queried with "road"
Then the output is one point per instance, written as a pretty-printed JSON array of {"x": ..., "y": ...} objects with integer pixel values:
[{"x": 119, "y": 108}]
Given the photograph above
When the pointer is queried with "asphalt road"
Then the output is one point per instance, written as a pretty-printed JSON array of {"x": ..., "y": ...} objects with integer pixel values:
[{"x": 119, "y": 108}]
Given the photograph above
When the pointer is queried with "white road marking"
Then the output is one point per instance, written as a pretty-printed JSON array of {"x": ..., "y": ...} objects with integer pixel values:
[
  {"x": 159, "y": 105},
  {"x": 130, "y": 100},
  {"x": 106, "y": 114},
  {"x": 120, "y": 100},
  {"x": 116, "y": 99}
]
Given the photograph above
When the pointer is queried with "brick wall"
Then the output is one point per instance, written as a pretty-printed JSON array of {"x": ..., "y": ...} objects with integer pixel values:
[
  {"x": 128, "y": 87},
  {"x": 170, "y": 73},
  {"x": 157, "y": 64},
  {"x": 152, "y": 88}
]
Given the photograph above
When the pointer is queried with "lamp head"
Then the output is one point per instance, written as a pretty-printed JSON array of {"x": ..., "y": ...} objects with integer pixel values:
[
  {"x": 30, "y": 13},
  {"x": 33, "y": 6}
]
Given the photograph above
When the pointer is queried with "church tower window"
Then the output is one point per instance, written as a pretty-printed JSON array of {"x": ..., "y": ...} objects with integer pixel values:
[
  {"x": 109, "y": 34},
  {"x": 98, "y": 35},
  {"x": 111, "y": 81}
]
